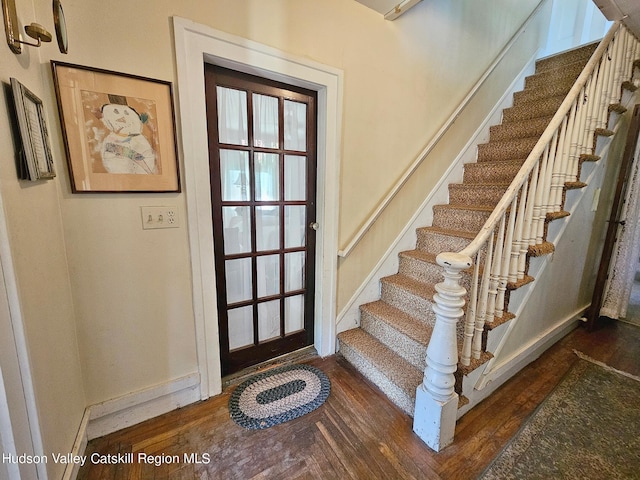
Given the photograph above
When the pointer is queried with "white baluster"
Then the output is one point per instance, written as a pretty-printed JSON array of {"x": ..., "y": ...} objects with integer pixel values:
[
  {"x": 566, "y": 155},
  {"x": 481, "y": 319},
  {"x": 496, "y": 270},
  {"x": 539, "y": 213},
  {"x": 621, "y": 63},
  {"x": 528, "y": 238},
  {"x": 603, "y": 110},
  {"x": 593, "y": 103},
  {"x": 576, "y": 137},
  {"x": 518, "y": 240},
  {"x": 506, "y": 256},
  {"x": 618, "y": 76},
  {"x": 547, "y": 206},
  {"x": 628, "y": 57},
  {"x": 587, "y": 133},
  {"x": 557, "y": 175},
  {"x": 636, "y": 53},
  {"x": 608, "y": 82},
  {"x": 471, "y": 316}
]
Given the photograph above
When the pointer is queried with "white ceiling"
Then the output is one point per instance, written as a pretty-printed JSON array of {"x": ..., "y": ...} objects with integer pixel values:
[
  {"x": 626, "y": 10},
  {"x": 391, "y": 9}
]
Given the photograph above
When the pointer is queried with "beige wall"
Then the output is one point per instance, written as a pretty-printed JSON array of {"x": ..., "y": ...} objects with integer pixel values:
[
  {"x": 402, "y": 80},
  {"x": 37, "y": 240},
  {"x": 131, "y": 288}
]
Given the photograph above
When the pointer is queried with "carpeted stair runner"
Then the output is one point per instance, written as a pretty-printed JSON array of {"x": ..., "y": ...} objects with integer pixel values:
[{"x": 389, "y": 347}]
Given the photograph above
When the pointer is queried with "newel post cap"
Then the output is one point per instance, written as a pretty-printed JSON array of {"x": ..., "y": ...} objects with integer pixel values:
[{"x": 453, "y": 260}]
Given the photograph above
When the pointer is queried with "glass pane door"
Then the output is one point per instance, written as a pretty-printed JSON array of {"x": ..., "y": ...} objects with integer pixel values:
[{"x": 262, "y": 155}]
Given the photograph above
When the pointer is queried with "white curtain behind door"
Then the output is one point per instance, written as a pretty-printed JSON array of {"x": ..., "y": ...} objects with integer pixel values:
[
  {"x": 624, "y": 260},
  {"x": 237, "y": 184}
]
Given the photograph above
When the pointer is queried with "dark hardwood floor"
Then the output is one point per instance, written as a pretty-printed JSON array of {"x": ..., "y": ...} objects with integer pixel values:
[{"x": 357, "y": 433}]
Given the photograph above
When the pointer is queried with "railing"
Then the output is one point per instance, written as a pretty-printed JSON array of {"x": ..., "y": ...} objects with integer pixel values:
[
  {"x": 382, "y": 206},
  {"x": 517, "y": 224}
]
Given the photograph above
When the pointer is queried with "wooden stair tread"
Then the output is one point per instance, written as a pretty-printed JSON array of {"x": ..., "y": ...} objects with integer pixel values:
[
  {"x": 513, "y": 141},
  {"x": 519, "y": 129},
  {"x": 471, "y": 208},
  {"x": 604, "y": 132},
  {"x": 474, "y": 363},
  {"x": 532, "y": 110},
  {"x": 415, "y": 287},
  {"x": 399, "y": 320},
  {"x": 581, "y": 53},
  {"x": 544, "y": 248},
  {"x": 521, "y": 282},
  {"x": 617, "y": 108},
  {"x": 396, "y": 369},
  {"x": 420, "y": 255},
  {"x": 498, "y": 162},
  {"x": 497, "y": 321},
  {"x": 480, "y": 185},
  {"x": 449, "y": 232},
  {"x": 574, "y": 185},
  {"x": 557, "y": 215},
  {"x": 587, "y": 157}
]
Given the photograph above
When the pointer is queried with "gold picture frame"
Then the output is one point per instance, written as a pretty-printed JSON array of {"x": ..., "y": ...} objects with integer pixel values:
[
  {"x": 119, "y": 130},
  {"x": 36, "y": 161}
]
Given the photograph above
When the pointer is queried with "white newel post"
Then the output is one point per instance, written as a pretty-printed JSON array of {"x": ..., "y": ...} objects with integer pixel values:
[{"x": 436, "y": 409}]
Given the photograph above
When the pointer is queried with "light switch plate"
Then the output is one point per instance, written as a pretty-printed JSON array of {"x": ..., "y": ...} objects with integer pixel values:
[{"x": 159, "y": 217}]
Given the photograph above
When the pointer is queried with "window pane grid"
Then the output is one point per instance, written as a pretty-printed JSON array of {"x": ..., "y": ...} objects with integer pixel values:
[{"x": 271, "y": 206}]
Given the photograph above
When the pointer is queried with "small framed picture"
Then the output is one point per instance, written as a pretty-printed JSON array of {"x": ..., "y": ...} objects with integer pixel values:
[
  {"x": 36, "y": 162},
  {"x": 119, "y": 130}
]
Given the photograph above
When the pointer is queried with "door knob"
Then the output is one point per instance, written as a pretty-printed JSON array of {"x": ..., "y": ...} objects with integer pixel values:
[{"x": 314, "y": 225}]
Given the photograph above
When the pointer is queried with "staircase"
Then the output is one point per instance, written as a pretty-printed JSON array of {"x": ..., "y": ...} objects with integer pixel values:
[{"x": 390, "y": 346}]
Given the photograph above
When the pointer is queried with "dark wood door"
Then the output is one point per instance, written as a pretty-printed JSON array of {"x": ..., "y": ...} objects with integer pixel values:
[
  {"x": 262, "y": 154},
  {"x": 593, "y": 313}
]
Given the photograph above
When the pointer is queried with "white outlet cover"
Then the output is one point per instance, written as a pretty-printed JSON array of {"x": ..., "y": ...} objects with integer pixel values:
[{"x": 155, "y": 217}]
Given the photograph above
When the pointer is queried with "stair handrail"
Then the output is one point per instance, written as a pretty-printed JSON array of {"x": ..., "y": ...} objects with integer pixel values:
[
  {"x": 532, "y": 159},
  {"x": 408, "y": 173}
]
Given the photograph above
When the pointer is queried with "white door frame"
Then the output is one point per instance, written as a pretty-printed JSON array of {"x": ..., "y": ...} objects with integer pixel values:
[
  {"x": 196, "y": 44},
  {"x": 19, "y": 428}
]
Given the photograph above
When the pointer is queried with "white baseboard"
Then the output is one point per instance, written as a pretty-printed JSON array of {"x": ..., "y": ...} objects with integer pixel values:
[
  {"x": 112, "y": 415},
  {"x": 79, "y": 447}
]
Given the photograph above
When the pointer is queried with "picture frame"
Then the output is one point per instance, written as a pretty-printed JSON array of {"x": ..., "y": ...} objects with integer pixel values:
[
  {"x": 118, "y": 129},
  {"x": 36, "y": 161}
]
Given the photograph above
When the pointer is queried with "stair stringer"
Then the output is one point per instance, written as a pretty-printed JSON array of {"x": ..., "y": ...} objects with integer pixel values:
[
  {"x": 481, "y": 382},
  {"x": 369, "y": 290}
]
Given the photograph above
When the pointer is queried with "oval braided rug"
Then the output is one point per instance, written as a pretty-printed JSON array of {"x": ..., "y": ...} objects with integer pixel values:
[{"x": 278, "y": 395}]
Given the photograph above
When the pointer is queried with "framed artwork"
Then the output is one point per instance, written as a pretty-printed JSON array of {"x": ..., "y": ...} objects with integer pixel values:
[
  {"x": 119, "y": 130},
  {"x": 36, "y": 161}
]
